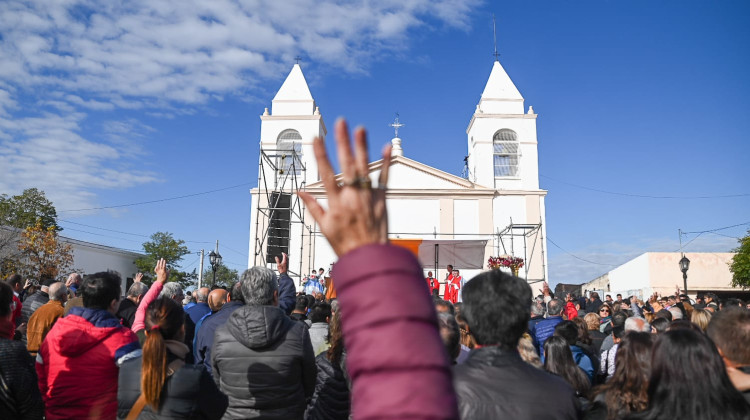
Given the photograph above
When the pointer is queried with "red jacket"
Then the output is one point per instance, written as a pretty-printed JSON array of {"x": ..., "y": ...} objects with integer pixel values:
[
  {"x": 570, "y": 310},
  {"x": 385, "y": 376},
  {"x": 432, "y": 284},
  {"x": 78, "y": 364}
]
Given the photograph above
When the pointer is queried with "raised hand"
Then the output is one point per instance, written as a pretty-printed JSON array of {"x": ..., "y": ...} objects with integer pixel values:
[
  {"x": 356, "y": 214},
  {"x": 162, "y": 273},
  {"x": 138, "y": 278},
  {"x": 283, "y": 265}
]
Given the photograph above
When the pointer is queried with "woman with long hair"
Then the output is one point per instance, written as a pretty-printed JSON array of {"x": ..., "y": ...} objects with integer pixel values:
[
  {"x": 701, "y": 318},
  {"x": 689, "y": 381},
  {"x": 597, "y": 337},
  {"x": 625, "y": 392},
  {"x": 330, "y": 399},
  {"x": 605, "y": 318},
  {"x": 528, "y": 352},
  {"x": 159, "y": 384},
  {"x": 558, "y": 359}
]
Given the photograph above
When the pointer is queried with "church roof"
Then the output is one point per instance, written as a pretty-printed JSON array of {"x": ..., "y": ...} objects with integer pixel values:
[
  {"x": 499, "y": 85},
  {"x": 294, "y": 88}
]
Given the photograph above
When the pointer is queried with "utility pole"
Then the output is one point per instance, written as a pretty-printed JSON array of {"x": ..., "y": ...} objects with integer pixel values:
[{"x": 200, "y": 271}]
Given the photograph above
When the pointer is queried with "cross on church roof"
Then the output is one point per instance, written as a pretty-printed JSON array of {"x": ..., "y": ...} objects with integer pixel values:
[
  {"x": 494, "y": 35},
  {"x": 396, "y": 124},
  {"x": 298, "y": 58}
]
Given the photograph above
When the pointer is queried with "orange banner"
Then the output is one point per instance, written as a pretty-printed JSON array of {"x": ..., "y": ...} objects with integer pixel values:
[{"x": 410, "y": 244}]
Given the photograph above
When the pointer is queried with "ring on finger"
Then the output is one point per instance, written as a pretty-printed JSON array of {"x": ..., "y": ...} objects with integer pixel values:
[{"x": 361, "y": 182}]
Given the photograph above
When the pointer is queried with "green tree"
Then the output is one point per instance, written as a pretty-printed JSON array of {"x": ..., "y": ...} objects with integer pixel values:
[
  {"x": 163, "y": 245},
  {"x": 28, "y": 208},
  {"x": 740, "y": 265},
  {"x": 225, "y": 277}
]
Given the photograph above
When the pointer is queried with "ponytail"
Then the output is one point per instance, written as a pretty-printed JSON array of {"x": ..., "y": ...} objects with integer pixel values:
[{"x": 154, "y": 367}]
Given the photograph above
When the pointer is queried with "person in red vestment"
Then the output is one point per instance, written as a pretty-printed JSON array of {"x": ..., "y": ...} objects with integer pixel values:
[
  {"x": 454, "y": 285},
  {"x": 432, "y": 283},
  {"x": 448, "y": 293}
]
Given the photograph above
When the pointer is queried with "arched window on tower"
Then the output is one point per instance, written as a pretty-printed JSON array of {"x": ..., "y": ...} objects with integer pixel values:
[
  {"x": 289, "y": 141},
  {"x": 506, "y": 153}
]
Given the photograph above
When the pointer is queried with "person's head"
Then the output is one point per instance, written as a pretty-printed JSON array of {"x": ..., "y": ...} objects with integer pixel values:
[
  {"x": 638, "y": 324},
  {"x": 73, "y": 279},
  {"x": 335, "y": 306},
  {"x": 6, "y": 301},
  {"x": 678, "y": 358},
  {"x": 449, "y": 268},
  {"x": 558, "y": 359},
  {"x": 165, "y": 320},
  {"x": 555, "y": 307},
  {"x": 260, "y": 287},
  {"x": 583, "y": 330},
  {"x": 676, "y": 313},
  {"x": 216, "y": 299},
  {"x": 594, "y": 296},
  {"x": 659, "y": 325},
  {"x": 137, "y": 291},
  {"x": 592, "y": 321},
  {"x": 626, "y": 391},
  {"x": 568, "y": 330},
  {"x": 321, "y": 271},
  {"x": 450, "y": 334},
  {"x": 429, "y": 274},
  {"x": 235, "y": 294},
  {"x": 456, "y": 273},
  {"x": 619, "y": 297},
  {"x": 618, "y": 325},
  {"x": 730, "y": 331},
  {"x": 101, "y": 291},
  {"x": 58, "y": 292},
  {"x": 605, "y": 310},
  {"x": 335, "y": 340},
  {"x": 201, "y": 295},
  {"x": 463, "y": 328},
  {"x": 528, "y": 352},
  {"x": 496, "y": 308},
  {"x": 701, "y": 318},
  {"x": 445, "y": 306},
  {"x": 537, "y": 309},
  {"x": 321, "y": 312},
  {"x": 300, "y": 305},
  {"x": 608, "y": 298},
  {"x": 15, "y": 282},
  {"x": 319, "y": 296},
  {"x": 172, "y": 290}
]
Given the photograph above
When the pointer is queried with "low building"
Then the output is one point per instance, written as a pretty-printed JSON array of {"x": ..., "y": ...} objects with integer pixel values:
[
  {"x": 659, "y": 272},
  {"x": 89, "y": 257}
]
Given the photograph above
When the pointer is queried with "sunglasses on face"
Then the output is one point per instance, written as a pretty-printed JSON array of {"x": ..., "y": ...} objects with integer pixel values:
[{"x": 604, "y": 311}]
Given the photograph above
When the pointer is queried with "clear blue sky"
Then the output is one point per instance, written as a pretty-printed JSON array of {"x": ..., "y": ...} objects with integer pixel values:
[{"x": 128, "y": 103}]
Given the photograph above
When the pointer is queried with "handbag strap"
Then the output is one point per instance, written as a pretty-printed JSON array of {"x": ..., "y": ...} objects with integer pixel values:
[{"x": 140, "y": 403}]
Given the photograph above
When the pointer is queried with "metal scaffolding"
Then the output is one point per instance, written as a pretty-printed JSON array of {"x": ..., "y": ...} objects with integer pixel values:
[
  {"x": 528, "y": 232},
  {"x": 281, "y": 173}
]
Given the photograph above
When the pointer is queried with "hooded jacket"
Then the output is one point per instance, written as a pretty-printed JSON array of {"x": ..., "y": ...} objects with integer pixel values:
[
  {"x": 263, "y": 361},
  {"x": 78, "y": 364}
]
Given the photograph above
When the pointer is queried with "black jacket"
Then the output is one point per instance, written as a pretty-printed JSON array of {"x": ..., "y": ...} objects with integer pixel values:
[
  {"x": 126, "y": 312},
  {"x": 593, "y": 306},
  {"x": 497, "y": 384},
  {"x": 188, "y": 394},
  {"x": 17, "y": 369},
  {"x": 331, "y": 398},
  {"x": 263, "y": 361},
  {"x": 32, "y": 303}
]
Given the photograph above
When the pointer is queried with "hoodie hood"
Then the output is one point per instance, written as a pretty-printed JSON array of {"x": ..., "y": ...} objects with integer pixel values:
[
  {"x": 258, "y": 326},
  {"x": 84, "y": 328}
]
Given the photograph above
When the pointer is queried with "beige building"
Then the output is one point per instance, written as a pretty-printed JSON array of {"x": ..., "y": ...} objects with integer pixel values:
[{"x": 660, "y": 272}]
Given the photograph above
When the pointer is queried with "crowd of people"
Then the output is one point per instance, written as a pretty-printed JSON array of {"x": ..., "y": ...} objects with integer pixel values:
[{"x": 492, "y": 350}]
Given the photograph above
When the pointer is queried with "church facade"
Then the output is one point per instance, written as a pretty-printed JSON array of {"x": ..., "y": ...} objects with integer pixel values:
[{"x": 496, "y": 208}]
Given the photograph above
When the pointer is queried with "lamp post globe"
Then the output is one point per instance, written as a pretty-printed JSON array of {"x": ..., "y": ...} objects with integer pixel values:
[{"x": 684, "y": 266}]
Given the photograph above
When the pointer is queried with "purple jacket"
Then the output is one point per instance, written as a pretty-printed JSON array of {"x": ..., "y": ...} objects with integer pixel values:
[{"x": 397, "y": 362}]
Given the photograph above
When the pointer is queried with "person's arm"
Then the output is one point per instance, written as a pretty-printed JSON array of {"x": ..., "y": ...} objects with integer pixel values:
[
  {"x": 153, "y": 292},
  {"x": 286, "y": 286},
  {"x": 309, "y": 369},
  {"x": 355, "y": 223}
]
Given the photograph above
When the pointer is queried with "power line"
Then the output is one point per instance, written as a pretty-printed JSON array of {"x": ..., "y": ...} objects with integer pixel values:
[
  {"x": 156, "y": 201},
  {"x": 666, "y": 197},
  {"x": 124, "y": 233},
  {"x": 718, "y": 229},
  {"x": 577, "y": 257}
]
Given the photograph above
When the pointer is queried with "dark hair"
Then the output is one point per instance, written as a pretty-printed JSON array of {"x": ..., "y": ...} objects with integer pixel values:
[
  {"x": 310, "y": 300},
  {"x": 679, "y": 357},
  {"x": 14, "y": 279},
  {"x": 100, "y": 289},
  {"x": 618, "y": 323},
  {"x": 496, "y": 308},
  {"x": 301, "y": 303},
  {"x": 568, "y": 330},
  {"x": 730, "y": 331},
  {"x": 448, "y": 304},
  {"x": 235, "y": 294},
  {"x": 320, "y": 311},
  {"x": 660, "y": 324},
  {"x": 164, "y": 320},
  {"x": 625, "y": 392},
  {"x": 558, "y": 359},
  {"x": 732, "y": 302},
  {"x": 450, "y": 334},
  {"x": 6, "y": 298},
  {"x": 583, "y": 330},
  {"x": 335, "y": 340}
]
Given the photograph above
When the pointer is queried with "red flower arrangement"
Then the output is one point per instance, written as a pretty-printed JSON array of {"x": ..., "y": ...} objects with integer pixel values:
[{"x": 514, "y": 263}]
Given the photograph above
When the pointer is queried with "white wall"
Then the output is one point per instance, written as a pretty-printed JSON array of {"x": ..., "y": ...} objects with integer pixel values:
[{"x": 89, "y": 258}]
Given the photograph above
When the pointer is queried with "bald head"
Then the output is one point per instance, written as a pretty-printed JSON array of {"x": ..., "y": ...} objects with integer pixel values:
[
  {"x": 216, "y": 299},
  {"x": 58, "y": 291},
  {"x": 201, "y": 295}
]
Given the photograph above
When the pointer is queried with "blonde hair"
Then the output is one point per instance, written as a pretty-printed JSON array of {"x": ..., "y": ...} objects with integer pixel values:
[
  {"x": 528, "y": 352},
  {"x": 466, "y": 338},
  {"x": 592, "y": 321},
  {"x": 701, "y": 318}
]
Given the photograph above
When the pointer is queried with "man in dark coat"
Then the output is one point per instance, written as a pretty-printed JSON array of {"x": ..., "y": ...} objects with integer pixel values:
[
  {"x": 594, "y": 303},
  {"x": 204, "y": 338},
  {"x": 35, "y": 301},
  {"x": 129, "y": 305},
  {"x": 494, "y": 382},
  {"x": 262, "y": 359}
]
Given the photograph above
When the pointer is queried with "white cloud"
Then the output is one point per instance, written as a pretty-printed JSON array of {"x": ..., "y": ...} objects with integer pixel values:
[{"x": 71, "y": 58}]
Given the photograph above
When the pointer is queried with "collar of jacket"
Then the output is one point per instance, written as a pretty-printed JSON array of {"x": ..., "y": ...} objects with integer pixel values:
[
  {"x": 494, "y": 356},
  {"x": 100, "y": 318}
]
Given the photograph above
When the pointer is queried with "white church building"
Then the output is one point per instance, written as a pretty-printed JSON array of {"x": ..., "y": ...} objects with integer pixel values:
[{"x": 496, "y": 208}]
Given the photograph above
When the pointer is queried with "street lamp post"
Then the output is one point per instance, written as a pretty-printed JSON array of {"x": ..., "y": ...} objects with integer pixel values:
[
  {"x": 215, "y": 259},
  {"x": 684, "y": 265}
]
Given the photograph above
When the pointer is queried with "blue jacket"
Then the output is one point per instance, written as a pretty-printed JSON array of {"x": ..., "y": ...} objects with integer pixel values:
[
  {"x": 583, "y": 361},
  {"x": 204, "y": 338},
  {"x": 197, "y": 311},
  {"x": 287, "y": 293},
  {"x": 544, "y": 330}
]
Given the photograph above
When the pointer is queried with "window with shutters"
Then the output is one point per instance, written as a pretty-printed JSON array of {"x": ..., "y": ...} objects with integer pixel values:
[{"x": 506, "y": 153}]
